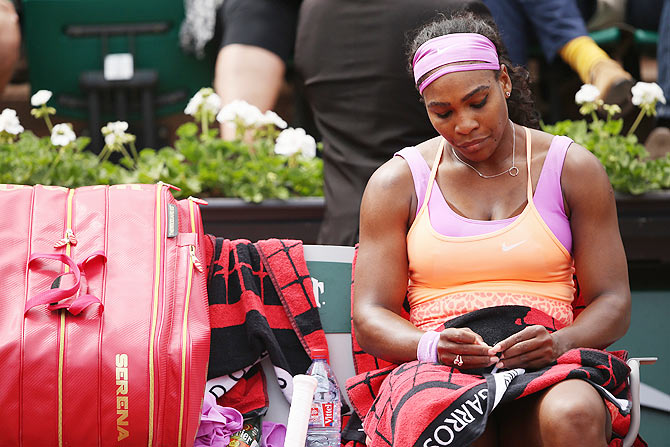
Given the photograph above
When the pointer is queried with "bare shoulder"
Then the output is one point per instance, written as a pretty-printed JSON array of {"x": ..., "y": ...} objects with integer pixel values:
[
  {"x": 389, "y": 190},
  {"x": 579, "y": 161},
  {"x": 393, "y": 175},
  {"x": 584, "y": 177},
  {"x": 428, "y": 149},
  {"x": 541, "y": 141}
]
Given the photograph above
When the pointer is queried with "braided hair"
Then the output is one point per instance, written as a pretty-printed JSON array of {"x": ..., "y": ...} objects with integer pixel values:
[{"x": 520, "y": 103}]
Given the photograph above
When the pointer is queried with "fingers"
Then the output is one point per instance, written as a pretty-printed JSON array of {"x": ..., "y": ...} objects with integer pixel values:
[
  {"x": 469, "y": 346},
  {"x": 532, "y": 347},
  {"x": 534, "y": 359},
  {"x": 467, "y": 361},
  {"x": 463, "y": 335},
  {"x": 523, "y": 335}
]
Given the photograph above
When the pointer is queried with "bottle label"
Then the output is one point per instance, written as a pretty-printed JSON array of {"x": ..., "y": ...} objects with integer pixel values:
[{"x": 322, "y": 414}]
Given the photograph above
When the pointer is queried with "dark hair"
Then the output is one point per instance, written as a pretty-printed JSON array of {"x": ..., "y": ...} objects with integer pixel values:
[{"x": 520, "y": 103}]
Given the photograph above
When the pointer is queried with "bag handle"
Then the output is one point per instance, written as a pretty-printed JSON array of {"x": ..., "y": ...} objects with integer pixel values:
[{"x": 54, "y": 297}]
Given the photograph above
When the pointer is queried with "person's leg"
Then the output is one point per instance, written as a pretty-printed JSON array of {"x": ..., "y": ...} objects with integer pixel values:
[
  {"x": 258, "y": 39},
  {"x": 250, "y": 73},
  {"x": 490, "y": 436},
  {"x": 658, "y": 141},
  {"x": 10, "y": 41},
  {"x": 570, "y": 413},
  {"x": 561, "y": 30},
  {"x": 663, "y": 61}
]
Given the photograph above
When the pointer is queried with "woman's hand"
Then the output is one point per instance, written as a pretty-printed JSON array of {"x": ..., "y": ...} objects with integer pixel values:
[
  {"x": 467, "y": 344},
  {"x": 532, "y": 347}
]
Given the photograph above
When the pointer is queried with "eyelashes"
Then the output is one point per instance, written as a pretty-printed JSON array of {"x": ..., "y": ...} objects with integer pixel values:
[
  {"x": 482, "y": 103},
  {"x": 479, "y": 105}
]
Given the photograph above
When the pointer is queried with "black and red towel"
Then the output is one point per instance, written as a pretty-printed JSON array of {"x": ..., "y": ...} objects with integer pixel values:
[
  {"x": 261, "y": 303},
  {"x": 417, "y": 402}
]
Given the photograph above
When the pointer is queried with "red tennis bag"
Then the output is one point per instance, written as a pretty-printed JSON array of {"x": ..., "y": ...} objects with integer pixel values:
[{"x": 104, "y": 326}]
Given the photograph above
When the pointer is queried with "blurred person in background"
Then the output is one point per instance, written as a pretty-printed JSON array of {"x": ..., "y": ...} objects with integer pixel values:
[
  {"x": 649, "y": 15},
  {"x": 350, "y": 57},
  {"x": 560, "y": 29},
  {"x": 10, "y": 41},
  {"x": 257, "y": 39}
]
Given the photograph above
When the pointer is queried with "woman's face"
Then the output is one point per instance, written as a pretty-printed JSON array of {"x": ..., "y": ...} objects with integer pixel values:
[{"x": 469, "y": 110}]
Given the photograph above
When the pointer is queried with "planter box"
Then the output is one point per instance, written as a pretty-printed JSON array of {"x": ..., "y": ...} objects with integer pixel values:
[
  {"x": 298, "y": 218},
  {"x": 644, "y": 222}
]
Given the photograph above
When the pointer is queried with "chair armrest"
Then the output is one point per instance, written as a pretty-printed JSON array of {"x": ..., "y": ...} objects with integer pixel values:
[{"x": 634, "y": 381}]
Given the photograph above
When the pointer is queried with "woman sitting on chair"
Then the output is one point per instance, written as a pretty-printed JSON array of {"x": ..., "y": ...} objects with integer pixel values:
[{"x": 491, "y": 214}]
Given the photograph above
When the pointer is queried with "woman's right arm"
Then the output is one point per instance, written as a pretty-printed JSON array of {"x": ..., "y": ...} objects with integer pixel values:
[{"x": 382, "y": 266}]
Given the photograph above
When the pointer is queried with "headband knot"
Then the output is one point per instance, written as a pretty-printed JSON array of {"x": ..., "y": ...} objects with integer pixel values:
[{"x": 451, "y": 49}]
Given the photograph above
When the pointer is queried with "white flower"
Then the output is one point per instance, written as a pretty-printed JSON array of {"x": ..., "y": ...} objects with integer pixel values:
[
  {"x": 271, "y": 117},
  {"x": 587, "y": 93},
  {"x": 62, "y": 135},
  {"x": 112, "y": 139},
  {"x": 291, "y": 141},
  {"x": 9, "y": 122},
  {"x": 115, "y": 127},
  {"x": 647, "y": 93},
  {"x": 204, "y": 99},
  {"x": 40, "y": 98},
  {"x": 248, "y": 114},
  {"x": 115, "y": 133}
]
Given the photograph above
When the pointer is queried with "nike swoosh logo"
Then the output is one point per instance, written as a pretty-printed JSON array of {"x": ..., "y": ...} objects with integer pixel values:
[{"x": 506, "y": 247}]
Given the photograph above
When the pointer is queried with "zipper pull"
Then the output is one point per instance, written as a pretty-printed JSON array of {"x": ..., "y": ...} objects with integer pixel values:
[
  {"x": 68, "y": 239},
  {"x": 169, "y": 186},
  {"x": 198, "y": 200},
  {"x": 194, "y": 259}
]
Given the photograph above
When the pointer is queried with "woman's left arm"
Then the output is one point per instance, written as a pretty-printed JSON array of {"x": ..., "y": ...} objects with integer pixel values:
[
  {"x": 600, "y": 265},
  {"x": 600, "y": 260}
]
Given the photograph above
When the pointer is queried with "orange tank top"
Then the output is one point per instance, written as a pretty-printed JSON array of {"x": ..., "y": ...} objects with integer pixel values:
[{"x": 521, "y": 264}]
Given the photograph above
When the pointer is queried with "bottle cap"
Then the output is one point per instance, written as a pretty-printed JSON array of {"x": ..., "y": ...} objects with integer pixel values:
[{"x": 320, "y": 353}]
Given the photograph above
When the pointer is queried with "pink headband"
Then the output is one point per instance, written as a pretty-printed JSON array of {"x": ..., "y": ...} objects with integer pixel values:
[{"x": 451, "y": 48}]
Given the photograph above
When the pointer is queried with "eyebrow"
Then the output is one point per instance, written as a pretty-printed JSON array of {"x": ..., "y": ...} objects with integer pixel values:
[{"x": 464, "y": 98}]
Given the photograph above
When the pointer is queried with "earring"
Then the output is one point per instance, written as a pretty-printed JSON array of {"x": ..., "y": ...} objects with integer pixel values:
[{"x": 508, "y": 94}]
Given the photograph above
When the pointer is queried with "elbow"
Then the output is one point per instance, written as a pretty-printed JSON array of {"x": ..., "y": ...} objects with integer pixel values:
[
  {"x": 623, "y": 314},
  {"x": 361, "y": 327},
  {"x": 366, "y": 327}
]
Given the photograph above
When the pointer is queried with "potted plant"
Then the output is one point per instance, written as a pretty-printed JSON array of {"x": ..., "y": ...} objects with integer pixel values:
[
  {"x": 266, "y": 182},
  {"x": 641, "y": 184}
]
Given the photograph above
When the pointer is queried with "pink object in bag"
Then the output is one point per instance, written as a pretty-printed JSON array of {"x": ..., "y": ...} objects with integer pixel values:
[{"x": 104, "y": 324}]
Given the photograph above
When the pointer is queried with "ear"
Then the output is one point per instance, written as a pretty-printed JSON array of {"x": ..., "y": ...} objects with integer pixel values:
[{"x": 504, "y": 79}]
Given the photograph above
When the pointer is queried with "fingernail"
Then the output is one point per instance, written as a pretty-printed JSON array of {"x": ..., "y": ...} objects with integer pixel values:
[
  {"x": 500, "y": 365},
  {"x": 493, "y": 360}
]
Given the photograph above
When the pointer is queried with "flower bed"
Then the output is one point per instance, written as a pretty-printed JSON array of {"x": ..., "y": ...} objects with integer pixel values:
[
  {"x": 264, "y": 160},
  {"x": 626, "y": 161}
]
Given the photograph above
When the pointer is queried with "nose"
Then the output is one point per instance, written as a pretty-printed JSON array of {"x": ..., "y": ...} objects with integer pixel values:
[{"x": 466, "y": 125}]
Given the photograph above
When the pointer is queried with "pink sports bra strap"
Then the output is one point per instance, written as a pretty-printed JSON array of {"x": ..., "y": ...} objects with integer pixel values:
[
  {"x": 528, "y": 158},
  {"x": 433, "y": 171},
  {"x": 419, "y": 169}
]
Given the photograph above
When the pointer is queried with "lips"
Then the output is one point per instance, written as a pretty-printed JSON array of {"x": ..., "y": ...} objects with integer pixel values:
[{"x": 471, "y": 143}]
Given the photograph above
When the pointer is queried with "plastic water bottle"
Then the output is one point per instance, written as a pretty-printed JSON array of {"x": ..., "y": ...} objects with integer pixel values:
[{"x": 324, "y": 418}]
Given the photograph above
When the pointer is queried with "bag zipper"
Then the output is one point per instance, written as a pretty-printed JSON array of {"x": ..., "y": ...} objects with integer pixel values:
[
  {"x": 62, "y": 312},
  {"x": 197, "y": 265}
]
